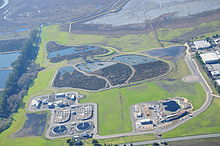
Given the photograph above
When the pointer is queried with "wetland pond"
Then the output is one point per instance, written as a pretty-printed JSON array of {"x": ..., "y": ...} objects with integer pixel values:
[{"x": 6, "y": 59}]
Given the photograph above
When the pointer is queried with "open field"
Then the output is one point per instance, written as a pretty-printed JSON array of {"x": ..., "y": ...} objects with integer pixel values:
[
  {"x": 115, "y": 103},
  {"x": 122, "y": 140},
  {"x": 206, "y": 122},
  {"x": 142, "y": 40},
  {"x": 125, "y": 43}
]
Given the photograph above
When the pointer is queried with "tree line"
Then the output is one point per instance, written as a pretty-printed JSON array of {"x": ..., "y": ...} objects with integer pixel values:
[{"x": 19, "y": 80}]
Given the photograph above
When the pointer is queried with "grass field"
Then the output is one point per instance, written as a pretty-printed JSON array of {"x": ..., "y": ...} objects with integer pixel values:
[
  {"x": 115, "y": 103},
  {"x": 167, "y": 34},
  {"x": 122, "y": 140},
  {"x": 206, "y": 122},
  {"x": 126, "y": 43}
]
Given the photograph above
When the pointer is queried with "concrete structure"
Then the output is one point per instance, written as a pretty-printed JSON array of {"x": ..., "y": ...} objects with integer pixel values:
[
  {"x": 202, "y": 44},
  {"x": 215, "y": 74},
  {"x": 213, "y": 67},
  {"x": 146, "y": 121},
  {"x": 209, "y": 58}
]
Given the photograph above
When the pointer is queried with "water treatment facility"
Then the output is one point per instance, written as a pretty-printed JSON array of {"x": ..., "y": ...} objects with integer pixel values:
[
  {"x": 159, "y": 114},
  {"x": 68, "y": 117}
]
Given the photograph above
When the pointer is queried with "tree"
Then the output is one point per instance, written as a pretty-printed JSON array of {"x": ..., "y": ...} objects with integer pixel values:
[{"x": 94, "y": 141}]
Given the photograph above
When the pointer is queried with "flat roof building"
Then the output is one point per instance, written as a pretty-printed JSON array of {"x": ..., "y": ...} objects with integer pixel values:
[
  {"x": 209, "y": 58},
  {"x": 213, "y": 67},
  {"x": 203, "y": 44},
  {"x": 215, "y": 73}
]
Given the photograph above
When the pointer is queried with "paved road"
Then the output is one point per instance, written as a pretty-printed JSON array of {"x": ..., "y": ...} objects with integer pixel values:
[
  {"x": 195, "y": 71},
  {"x": 175, "y": 139}
]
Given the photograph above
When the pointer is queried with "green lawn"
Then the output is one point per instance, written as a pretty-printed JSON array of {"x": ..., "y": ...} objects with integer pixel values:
[
  {"x": 206, "y": 122},
  {"x": 122, "y": 140},
  {"x": 111, "y": 106}
]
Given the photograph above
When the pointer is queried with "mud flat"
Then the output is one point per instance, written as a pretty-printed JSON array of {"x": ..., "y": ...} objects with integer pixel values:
[{"x": 137, "y": 11}]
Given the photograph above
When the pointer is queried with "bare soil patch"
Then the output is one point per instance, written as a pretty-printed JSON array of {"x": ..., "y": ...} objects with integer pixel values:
[{"x": 33, "y": 126}]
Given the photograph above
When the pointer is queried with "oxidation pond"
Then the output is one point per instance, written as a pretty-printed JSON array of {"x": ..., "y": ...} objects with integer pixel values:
[
  {"x": 133, "y": 59},
  {"x": 66, "y": 69},
  {"x": 69, "y": 51},
  {"x": 94, "y": 66},
  {"x": 3, "y": 77},
  {"x": 7, "y": 59},
  {"x": 174, "y": 52},
  {"x": 171, "y": 106}
]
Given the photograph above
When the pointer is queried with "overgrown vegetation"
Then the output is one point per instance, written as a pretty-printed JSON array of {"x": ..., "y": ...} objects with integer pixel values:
[
  {"x": 18, "y": 82},
  {"x": 11, "y": 45}
]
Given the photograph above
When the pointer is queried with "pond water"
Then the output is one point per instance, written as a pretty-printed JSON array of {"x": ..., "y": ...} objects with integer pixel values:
[
  {"x": 7, "y": 59},
  {"x": 60, "y": 129},
  {"x": 69, "y": 51},
  {"x": 3, "y": 77},
  {"x": 22, "y": 29},
  {"x": 84, "y": 126},
  {"x": 171, "y": 106},
  {"x": 66, "y": 69},
  {"x": 134, "y": 59},
  {"x": 94, "y": 66},
  {"x": 175, "y": 51}
]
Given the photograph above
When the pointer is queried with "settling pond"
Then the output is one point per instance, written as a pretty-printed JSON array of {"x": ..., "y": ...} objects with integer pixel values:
[
  {"x": 94, "y": 66},
  {"x": 7, "y": 59},
  {"x": 134, "y": 59},
  {"x": 174, "y": 52},
  {"x": 70, "y": 51},
  {"x": 5, "y": 62},
  {"x": 171, "y": 106},
  {"x": 3, "y": 77},
  {"x": 66, "y": 69}
]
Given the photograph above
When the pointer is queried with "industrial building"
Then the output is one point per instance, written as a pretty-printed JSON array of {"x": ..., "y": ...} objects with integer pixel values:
[
  {"x": 213, "y": 67},
  {"x": 202, "y": 44},
  {"x": 157, "y": 114},
  {"x": 215, "y": 74},
  {"x": 210, "y": 58},
  {"x": 68, "y": 117}
]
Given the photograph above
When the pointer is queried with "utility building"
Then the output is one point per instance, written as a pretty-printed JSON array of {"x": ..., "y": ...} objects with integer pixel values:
[
  {"x": 209, "y": 58},
  {"x": 203, "y": 44}
]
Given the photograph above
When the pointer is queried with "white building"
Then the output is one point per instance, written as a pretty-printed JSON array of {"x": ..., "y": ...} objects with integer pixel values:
[
  {"x": 215, "y": 73},
  {"x": 203, "y": 44},
  {"x": 209, "y": 58}
]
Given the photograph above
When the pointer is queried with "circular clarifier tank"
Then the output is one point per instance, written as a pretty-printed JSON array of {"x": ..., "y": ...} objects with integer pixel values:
[
  {"x": 59, "y": 129},
  {"x": 84, "y": 126}
]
